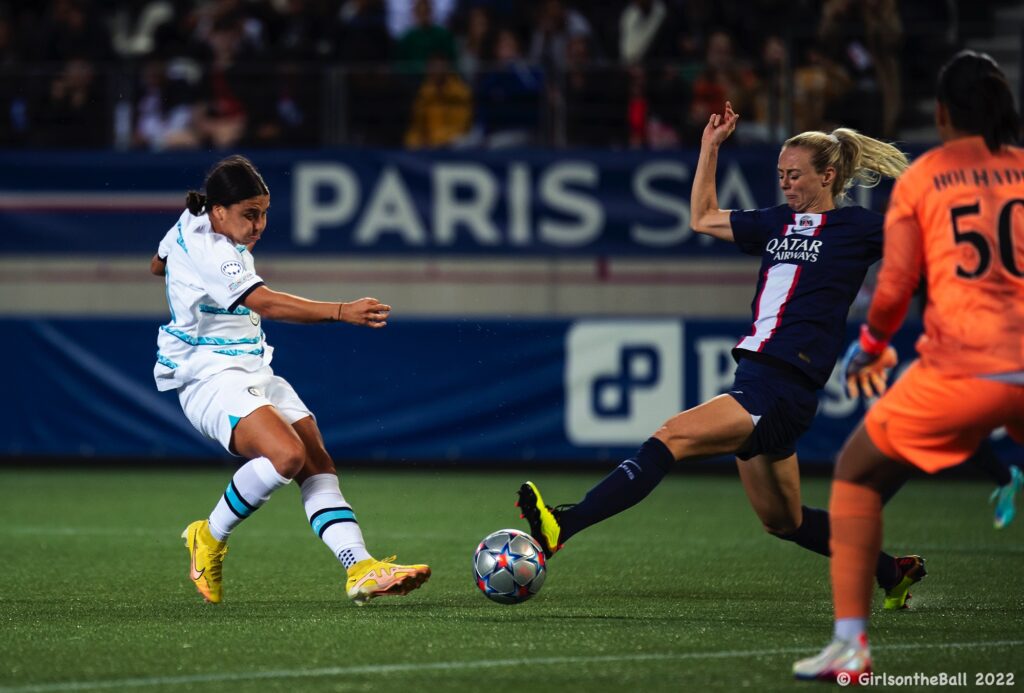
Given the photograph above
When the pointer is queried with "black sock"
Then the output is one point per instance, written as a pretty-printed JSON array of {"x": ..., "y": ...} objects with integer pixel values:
[
  {"x": 984, "y": 458},
  {"x": 627, "y": 485},
  {"x": 813, "y": 534}
]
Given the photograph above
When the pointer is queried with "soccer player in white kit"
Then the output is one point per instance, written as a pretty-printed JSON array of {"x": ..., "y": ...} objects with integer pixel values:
[{"x": 214, "y": 353}]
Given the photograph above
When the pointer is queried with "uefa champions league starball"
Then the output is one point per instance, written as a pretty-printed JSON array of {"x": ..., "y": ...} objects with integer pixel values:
[{"x": 509, "y": 567}]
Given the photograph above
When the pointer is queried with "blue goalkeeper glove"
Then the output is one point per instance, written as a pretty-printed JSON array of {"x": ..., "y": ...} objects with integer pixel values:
[{"x": 866, "y": 364}]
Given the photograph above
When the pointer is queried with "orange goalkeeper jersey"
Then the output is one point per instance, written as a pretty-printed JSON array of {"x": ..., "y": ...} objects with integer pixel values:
[{"x": 957, "y": 216}]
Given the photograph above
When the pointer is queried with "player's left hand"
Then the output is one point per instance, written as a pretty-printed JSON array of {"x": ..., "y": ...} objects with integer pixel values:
[
  {"x": 366, "y": 311},
  {"x": 867, "y": 373}
]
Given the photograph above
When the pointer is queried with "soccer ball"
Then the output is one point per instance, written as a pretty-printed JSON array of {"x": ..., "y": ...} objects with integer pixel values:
[{"x": 509, "y": 567}]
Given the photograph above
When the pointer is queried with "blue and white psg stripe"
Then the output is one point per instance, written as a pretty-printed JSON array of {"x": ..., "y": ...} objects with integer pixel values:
[
  {"x": 778, "y": 284},
  {"x": 812, "y": 266}
]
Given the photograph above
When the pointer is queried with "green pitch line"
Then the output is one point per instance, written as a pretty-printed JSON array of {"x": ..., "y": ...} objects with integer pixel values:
[{"x": 682, "y": 592}]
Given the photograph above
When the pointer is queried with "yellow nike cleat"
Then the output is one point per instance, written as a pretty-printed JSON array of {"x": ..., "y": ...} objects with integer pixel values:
[
  {"x": 543, "y": 519},
  {"x": 912, "y": 570},
  {"x": 371, "y": 578},
  {"x": 206, "y": 558}
]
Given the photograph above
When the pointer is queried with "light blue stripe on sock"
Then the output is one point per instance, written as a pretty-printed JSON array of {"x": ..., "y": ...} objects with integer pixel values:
[
  {"x": 240, "y": 507},
  {"x": 320, "y": 520}
]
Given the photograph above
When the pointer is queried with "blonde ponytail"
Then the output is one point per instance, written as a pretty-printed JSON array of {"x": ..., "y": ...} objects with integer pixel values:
[{"x": 856, "y": 158}]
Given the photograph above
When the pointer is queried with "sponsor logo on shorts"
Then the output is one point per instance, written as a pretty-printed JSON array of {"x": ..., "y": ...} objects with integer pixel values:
[
  {"x": 231, "y": 268},
  {"x": 254, "y": 317}
]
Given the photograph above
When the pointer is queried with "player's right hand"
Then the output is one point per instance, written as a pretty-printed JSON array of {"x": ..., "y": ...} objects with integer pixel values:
[
  {"x": 366, "y": 311},
  {"x": 719, "y": 127},
  {"x": 867, "y": 373}
]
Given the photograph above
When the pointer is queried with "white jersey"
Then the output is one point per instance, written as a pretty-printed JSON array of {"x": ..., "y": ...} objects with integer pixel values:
[{"x": 207, "y": 278}]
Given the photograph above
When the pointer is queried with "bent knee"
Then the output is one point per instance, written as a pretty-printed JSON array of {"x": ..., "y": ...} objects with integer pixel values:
[{"x": 289, "y": 459}]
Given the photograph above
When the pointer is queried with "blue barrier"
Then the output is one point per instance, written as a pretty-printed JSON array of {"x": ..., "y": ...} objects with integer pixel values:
[
  {"x": 420, "y": 390},
  {"x": 523, "y": 202}
]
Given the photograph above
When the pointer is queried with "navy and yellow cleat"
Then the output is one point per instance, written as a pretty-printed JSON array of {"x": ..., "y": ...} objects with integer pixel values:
[
  {"x": 844, "y": 662},
  {"x": 1005, "y": 498},
  {"x": 912, "y": 570},
  {"x": 371, "y": 578},
  {"x": 543, "y": 519},
  {"x": 206, "y": 559}
]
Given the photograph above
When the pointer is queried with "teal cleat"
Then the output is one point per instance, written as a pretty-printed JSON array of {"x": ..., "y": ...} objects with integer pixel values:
[{"x": 1005, "y": 498}]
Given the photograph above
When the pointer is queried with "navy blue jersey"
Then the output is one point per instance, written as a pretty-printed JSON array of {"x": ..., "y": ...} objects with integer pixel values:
[{"x": 812, "y": 266}]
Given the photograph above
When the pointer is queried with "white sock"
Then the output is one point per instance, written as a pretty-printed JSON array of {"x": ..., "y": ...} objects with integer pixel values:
[
  {"x": 850, "y": 629},
  {"x": 249, "y": 488},
  {"x": 332, "y": 518}
]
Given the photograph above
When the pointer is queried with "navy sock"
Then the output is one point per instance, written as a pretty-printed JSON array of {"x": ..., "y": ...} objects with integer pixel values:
[
  {"x": 813, "y": 534},
  {"x": 984, "y": 458},
  {"x": 627, "y": 485}
]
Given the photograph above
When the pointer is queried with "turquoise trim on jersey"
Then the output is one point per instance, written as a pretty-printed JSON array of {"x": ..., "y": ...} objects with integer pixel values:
[
  {"x": 208, "y": 341},
  {"x": 239, "y": 352},
  {"x": 217, "y": 310},
  {"x": 181, "y": 239},
  {"x": 241, "y": 248},
  {"x": 238, "y": 504},
  {"x": 331, "y": 516},
  {"x": 164, "y": 361},
  {"x": 167, "y": 291},
  {"x": 233, "y": 420}
]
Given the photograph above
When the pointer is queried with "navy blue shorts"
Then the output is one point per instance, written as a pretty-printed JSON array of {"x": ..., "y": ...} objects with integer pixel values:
[{"x": 783, "y": 403}]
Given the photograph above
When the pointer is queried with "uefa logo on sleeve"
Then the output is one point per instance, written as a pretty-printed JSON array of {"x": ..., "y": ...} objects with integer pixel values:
[{"x": 231, "y": 268}]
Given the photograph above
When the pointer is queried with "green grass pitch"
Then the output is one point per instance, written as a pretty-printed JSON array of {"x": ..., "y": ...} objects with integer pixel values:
[{"x": 683, "y": 592}]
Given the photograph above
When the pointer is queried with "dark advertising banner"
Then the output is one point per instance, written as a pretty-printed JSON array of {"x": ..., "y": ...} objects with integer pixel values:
[
  {"x": 390, "y": 202},
  {"x": 421, "y": 390}
]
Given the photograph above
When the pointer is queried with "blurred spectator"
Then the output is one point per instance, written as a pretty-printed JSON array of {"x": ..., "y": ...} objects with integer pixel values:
[
  {"x": 642, "y": 31},
  {"x": 930, "y": 38},
  {"x": 509, "y": 96},
  {"x": 15, "y": 83},
  {"x": 443, "y": 110},
  {"x": 595, "y": 98},
  {"x": 638, "y": 107},
  {"x": 555, "y": 26},
  {"x": 165, "y": 110},
  {"x": 475, "y": 45},
  {"x": 74, "y": 113},
  {"x": 302, "y": 31},
  {"x": 863, "y": 37},
  {"x": 724, "y": 78},
  {"x": 818, "y": 83},
  {"x": 423, "y": 40},
  {"x": 669, "y": 106},
  {"x": 362, "y": 38},
  {"x": 231, "y": 80},
  {"x": 134, "y": 26},
  {"x": 178, "y": 37},
  {"x": 403, "y": 15},
  {"x": 286, "y": 112},
  {"x": 884, "y": 33},
  {"x": 72, "y": 29},
  {"x": 769, "y": 116}
]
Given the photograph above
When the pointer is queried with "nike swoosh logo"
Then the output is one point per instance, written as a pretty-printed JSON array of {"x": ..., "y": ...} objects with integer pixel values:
[{"x": 192, "y": 572}]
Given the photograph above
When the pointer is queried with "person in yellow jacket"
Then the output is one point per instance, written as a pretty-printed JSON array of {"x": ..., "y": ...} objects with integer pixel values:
[{"x": 443, "y": 110}]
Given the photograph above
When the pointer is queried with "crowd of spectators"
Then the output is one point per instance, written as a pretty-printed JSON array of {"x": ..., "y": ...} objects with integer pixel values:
[{"x": 167, "y": 74}]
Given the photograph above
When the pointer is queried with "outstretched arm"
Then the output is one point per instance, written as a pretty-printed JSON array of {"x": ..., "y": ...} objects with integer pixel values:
[
  {"x": 277, "y": 305},
  {"x": 705, "y": 216}
]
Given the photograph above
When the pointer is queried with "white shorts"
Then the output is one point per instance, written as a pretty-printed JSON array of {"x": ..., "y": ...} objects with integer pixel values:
[{"x": 215, "y": 405}]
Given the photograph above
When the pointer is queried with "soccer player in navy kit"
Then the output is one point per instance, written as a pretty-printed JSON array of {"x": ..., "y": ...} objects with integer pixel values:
[{"x": 814, "y": 259}]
